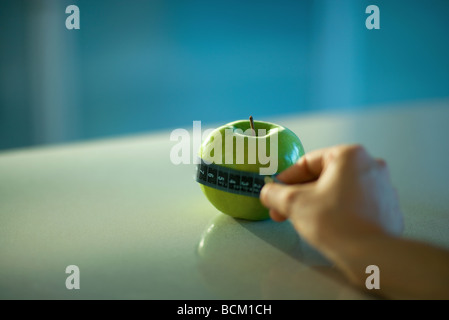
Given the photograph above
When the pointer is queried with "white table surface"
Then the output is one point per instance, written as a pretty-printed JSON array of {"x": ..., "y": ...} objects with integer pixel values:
[{"x": 139, "y": 227}]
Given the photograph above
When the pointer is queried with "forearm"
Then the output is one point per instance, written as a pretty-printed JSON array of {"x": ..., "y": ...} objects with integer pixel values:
[{"x": 408, "y": 269}]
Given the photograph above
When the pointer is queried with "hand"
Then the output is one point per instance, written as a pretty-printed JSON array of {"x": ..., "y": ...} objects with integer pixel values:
[
  {"x": 336, "y": 196},
  {"x": 341, "y": 201}
]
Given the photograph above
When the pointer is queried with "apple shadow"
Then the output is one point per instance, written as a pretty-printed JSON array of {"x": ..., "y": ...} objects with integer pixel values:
[{"x": 280, "y": 236}]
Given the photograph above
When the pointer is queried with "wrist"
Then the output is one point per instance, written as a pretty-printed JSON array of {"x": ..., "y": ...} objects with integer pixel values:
[{"x": 353, "y": 251}]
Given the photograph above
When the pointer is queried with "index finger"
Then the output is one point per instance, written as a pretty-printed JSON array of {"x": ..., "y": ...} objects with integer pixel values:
[{"x": 307, "y": 169}]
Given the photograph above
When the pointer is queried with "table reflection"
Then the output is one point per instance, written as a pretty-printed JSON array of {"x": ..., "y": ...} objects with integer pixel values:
[{"x": 241, "y": 259}]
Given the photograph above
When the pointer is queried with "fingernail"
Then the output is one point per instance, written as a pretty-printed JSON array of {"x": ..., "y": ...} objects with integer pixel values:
[{"x": 265, "y": 190}]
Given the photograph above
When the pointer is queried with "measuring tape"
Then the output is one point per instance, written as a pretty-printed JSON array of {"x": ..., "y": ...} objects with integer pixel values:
[{"x": 231, "y": 180}]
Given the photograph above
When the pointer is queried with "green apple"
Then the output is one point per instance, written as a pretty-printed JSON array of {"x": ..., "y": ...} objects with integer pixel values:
[{"x": 289, "y": 150}]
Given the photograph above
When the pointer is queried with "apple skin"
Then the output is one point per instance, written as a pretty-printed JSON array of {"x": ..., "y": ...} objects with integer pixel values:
[{"x": 290, "y": 149}]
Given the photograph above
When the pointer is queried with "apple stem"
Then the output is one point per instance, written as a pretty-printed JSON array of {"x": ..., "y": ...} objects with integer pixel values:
[{"x": 251, "y": 122}]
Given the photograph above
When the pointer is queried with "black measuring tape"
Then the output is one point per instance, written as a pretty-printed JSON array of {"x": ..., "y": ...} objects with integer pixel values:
[{"x": 231, "y": 180}]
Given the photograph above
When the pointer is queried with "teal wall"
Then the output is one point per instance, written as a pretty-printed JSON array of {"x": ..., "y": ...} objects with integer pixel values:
[{"x": 136, "y": 66}]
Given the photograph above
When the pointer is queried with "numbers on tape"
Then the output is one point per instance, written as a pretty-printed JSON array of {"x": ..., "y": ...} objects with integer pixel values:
[{"x": 231, "y": 180}]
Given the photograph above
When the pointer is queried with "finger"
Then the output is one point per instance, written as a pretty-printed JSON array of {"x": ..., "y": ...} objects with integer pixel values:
[
  {"x": 280, "y": 198},
  {"x": 383, "y": 166},
  {"x": 381, "y": 162},
  {"x": 276, "y": 216},
  {"x": 312, "y": 164},
  {"x": 307, "y": 169}
]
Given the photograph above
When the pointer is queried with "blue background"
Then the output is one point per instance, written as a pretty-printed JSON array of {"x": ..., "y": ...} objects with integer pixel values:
[{"x": 139, "y": 66}]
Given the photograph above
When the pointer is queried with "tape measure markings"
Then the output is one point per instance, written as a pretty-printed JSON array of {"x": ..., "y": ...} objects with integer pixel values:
[{"x": 229, "y": 180}]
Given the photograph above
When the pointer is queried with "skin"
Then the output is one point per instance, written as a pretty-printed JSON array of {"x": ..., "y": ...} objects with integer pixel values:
[{"x": 341, "y": 200}]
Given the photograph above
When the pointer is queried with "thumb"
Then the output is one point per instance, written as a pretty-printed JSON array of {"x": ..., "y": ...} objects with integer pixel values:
[{"x": 281, "y": 198}]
